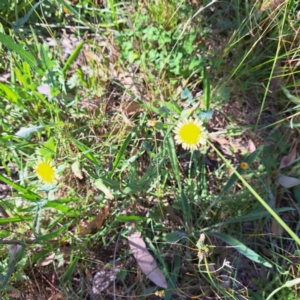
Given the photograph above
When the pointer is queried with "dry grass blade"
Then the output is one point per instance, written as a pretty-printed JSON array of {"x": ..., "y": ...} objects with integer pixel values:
[{"x": 145, "y": 260}]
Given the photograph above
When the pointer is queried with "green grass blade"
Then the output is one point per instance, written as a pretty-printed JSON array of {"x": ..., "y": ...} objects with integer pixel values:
[
  {"x": 52, "y": 235},
  {"x": 173, "y": 159},
  {"x": 85, "y": 151},
  {"x": 15, "y": 219},
  {"x": 8, "y": 42},
  {"x": 27, "y": 194},
  {"x": 12, "y": 96},
  {"x": 20, "y": 22},
  {"x": 186, "y": 209},
  {"x": 69, "y": 272},
  {"x": 173, "y": 279},
  {"x": 206, "y": 89},
  {"x": 243, "y": 249},
  {"x": 255, "y": 194},
  {"x": 71, "y": 58},
  {"x": 120, "y": 154}
]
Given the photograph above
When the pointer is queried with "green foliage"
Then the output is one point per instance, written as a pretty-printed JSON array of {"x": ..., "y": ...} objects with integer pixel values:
[{"x": 118, "y": 167}]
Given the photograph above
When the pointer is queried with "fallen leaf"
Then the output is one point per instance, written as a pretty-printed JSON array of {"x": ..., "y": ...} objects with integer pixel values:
[
  {"x": 99, "y": 184},
  {"x": 76, "y": 170},
  {"x": 103, "y": 279},
  {"x": 287, "y": 160},
  {"x": 97, "y": 222},
  {"x": 276, "y": 228},
  {"x": 287, "y": 181},
  {"x": 145, "y": 260},
  {"x": 131, "y": 108},
  {"x": 251, "y": 146},
  {"x": 47, "y": 261}
]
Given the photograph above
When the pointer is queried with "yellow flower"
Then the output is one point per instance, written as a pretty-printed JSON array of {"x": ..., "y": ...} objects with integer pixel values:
[
  {"x": 151, "y": 123},
  {"x": 45, "y": 171},
  {"x": 190, "y": 134},
  {"x": 244, "y": 165}
]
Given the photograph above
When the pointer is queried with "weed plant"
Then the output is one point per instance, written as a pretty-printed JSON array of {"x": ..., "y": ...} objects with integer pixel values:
[{"x": 177, "y": 120}]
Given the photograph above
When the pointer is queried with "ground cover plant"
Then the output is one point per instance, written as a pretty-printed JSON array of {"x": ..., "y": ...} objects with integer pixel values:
[{"x": 149, "y": 149}]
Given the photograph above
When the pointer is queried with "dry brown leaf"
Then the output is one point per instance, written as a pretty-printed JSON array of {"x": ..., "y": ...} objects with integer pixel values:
[
  {"x": 99, "y": 184},
  {"x": 251, "y": 146},
  {"x": 47, "y": 261},
  {"x": 225, "y": 144},
  {"x": 130, "y": 108},
  {"x": 97, "y": 222},
  {"x": 145, "y": 260},
  {"x": 276, "y": 228},
  {"x": 287, "y": 160}
]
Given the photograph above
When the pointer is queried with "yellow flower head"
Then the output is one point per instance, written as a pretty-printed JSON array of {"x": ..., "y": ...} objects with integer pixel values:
[
  {"x": 190, "y": 134},
  {"x": 244, "y": 165},
  {"x": 45, "y": 171},
  {"x": 151, "y": 123}
]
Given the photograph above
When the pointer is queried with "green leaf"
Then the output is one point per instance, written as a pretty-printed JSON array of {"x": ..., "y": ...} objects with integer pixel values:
[
  {"x": 48, "y": 149},
  {"x": 68, "y": 274},
  {"x": 11, "y": 95},
  {"x": 120, "y": 154},
  {"x": 291, "y": 97},
  {"x": 243, "y": 249},
  {"x": 72, "y": 57},
  {"x": 52, "y": 235},
  {"x": 15, "y": 219},
  {"x": 26, "y": 132},
  {"x": 20, "y": 22},
  {"x": 186, "y": 94},
  {"x": 172, "y": 106},
  {"x": 174, "y": 237},
  {"x": 130, "y": 218},
  {"x": 16, "y": 252},
  {"x": 58, "y": 206},
  {"x": 206, "y": 89},
  {"x": 8, "y": 42},
  {"x": 186, "y": 209},
  {"x": 173, "y": 279},
  {"x": 27, "y": 194},
  {"x": 173, "y": 159},
  {"x": 85, "y": 151}
]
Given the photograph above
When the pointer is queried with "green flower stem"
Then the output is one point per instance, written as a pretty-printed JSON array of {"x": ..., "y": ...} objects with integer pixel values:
[{"x": 263, "y": 203}]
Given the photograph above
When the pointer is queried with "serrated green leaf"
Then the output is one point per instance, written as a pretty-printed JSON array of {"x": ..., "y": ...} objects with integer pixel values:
[
  {"x": 48, "y": 149},
  {"x": 26, "y": 132}
]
